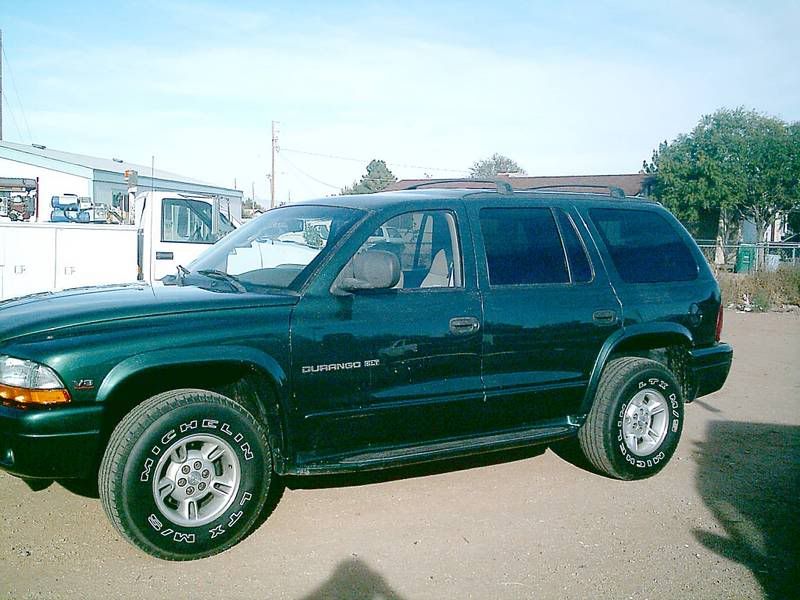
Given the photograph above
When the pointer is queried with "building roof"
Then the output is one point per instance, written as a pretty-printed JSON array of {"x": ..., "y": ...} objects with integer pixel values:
[
  {"x": 633, "y": 184},
  {"x": 65, "y": 160}
]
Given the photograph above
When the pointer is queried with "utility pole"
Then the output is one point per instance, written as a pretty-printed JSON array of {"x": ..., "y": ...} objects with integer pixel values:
[
  {"x": 1, "y": 85},
  {"x": 272, "y": 176}
]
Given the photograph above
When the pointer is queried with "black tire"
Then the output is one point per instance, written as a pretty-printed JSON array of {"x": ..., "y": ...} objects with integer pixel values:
[
  {"x": 624, "y": 382},
  {"x": 140, "y": 454}
]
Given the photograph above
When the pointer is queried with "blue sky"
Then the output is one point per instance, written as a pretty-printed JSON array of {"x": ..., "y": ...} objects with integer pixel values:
[{"x": 567, "y": 88}]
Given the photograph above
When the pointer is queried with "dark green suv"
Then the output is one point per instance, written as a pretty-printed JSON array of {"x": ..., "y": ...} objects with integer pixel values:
[{"x": 359, "y": 333}]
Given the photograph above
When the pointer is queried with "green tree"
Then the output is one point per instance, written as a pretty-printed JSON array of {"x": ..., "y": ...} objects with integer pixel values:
[
  {"x": 738, "y": 164},
  {"x": 489, "y": 168},
  {"x": 377, "y": 178}
]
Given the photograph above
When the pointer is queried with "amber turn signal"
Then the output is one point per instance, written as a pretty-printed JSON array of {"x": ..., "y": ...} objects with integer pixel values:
[{"x": 28, "y": 397}]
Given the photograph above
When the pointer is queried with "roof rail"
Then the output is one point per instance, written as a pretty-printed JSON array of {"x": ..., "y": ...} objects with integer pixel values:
[
  {"x": 613, "y": 190},
  {"x": 503, "y": 187}
]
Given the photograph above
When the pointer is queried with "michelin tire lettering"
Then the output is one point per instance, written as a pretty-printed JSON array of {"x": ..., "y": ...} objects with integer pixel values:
[{"x": 170, "y": 435}]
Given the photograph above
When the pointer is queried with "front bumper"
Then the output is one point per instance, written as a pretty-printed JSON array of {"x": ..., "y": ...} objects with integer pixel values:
[
  {"x": 709, "y": 367},
  {"x": 50, "y": 443}
]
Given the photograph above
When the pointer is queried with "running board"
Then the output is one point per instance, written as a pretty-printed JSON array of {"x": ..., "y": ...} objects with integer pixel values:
[{"x": 406, "y": 455}]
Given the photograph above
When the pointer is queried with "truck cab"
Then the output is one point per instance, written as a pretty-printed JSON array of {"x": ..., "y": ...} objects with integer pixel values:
[{"x": 78, "y": 248}]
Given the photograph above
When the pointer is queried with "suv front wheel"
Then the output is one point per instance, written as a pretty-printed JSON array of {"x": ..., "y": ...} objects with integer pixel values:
[
  {"x": 634, "y": 425},
  {"x": 185, "y": 474}
]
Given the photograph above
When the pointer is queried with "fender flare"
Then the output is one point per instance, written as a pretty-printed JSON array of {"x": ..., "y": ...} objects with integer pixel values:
[
  {"x": 277, "y": 415},
  {"x": 665, "y": 329}
]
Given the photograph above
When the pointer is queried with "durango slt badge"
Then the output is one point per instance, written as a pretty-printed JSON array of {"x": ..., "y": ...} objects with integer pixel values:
[{"x": 346, "y": 366}]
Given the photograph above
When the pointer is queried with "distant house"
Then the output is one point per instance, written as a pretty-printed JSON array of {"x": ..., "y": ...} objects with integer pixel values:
[{"x": 634, "y": 184}]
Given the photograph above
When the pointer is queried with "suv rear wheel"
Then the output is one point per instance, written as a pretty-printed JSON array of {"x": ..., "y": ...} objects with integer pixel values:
[
  {"x": 185, "y": 474},
  {"x": 635, "y": 423}
]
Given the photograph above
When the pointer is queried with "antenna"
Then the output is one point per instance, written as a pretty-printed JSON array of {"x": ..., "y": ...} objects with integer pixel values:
[{"x": 272, "y": 176}]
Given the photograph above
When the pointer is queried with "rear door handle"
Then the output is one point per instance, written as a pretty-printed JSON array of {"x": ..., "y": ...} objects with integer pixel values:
[
  {"x": 464, "y": 325},
  {"x": 604, "y": 316}
]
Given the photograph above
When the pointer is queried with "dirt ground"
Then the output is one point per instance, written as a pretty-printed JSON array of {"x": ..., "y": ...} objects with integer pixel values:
[{"x": 719, "y": 522}]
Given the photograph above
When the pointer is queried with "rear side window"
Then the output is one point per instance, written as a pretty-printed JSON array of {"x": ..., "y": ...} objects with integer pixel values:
[
  {"x": 644, "y": 246},
  {"x": 522, "y": 246},
  {"x": 576, "y": 253}
]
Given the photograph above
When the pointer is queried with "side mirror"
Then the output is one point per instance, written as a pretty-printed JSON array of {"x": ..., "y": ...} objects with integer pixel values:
[{"x": 370, "y": 270}]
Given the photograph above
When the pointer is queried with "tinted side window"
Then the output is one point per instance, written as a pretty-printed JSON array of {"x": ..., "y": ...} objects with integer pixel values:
[
  {"x": 644, "y": 246},
  {"x": 522, "y": 246},
  {"x": 576, "y": 253}
]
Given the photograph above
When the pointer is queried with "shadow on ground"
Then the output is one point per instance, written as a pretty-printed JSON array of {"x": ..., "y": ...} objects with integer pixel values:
[
  {"x": 354, "y": 580},
  {"x": 749, "y": 476}
]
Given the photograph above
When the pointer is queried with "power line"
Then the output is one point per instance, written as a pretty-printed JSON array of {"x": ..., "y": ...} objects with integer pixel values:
[
  {"x": 364, "y": 179},
  {"x": 16, "y": 93},
  {"x": 363, "y": 160},
  {"x": 299, "y": 170}
]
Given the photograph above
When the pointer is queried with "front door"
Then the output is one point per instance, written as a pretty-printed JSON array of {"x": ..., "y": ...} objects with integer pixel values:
[
  {"x": 382, "y": 369},
  {"x": 180, "y": 230}
]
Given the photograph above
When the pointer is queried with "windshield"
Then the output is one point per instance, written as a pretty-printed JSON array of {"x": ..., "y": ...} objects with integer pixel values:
[{"x": 278, "y": 248}]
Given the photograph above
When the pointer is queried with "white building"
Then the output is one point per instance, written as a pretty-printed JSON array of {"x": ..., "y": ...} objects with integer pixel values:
[{"x": 102, "y": 179}]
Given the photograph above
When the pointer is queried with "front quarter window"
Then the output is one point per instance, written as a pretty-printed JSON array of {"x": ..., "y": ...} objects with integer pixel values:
[{"x": 279, "y": 248}]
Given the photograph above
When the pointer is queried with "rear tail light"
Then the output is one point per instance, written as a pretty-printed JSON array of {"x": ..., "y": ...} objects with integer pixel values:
[{"x": 718, "y": 331}]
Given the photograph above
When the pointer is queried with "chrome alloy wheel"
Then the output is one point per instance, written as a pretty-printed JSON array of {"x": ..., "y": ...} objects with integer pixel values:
[
  {"x": 196, "y": 480},
  {"x": 645, "y": 423}
]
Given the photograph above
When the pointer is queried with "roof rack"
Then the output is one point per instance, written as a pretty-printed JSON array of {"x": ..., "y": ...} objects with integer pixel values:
[
  {"x": 503, "y": 187},
  {"x": 613, "y": 190}
]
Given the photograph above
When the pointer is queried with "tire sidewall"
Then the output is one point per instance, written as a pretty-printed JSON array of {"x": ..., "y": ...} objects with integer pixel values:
[
  {"x": 142, "y": 514},
  {"x": 625, "y": 461}
]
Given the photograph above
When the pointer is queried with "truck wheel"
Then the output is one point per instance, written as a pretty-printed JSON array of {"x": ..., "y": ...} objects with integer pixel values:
[
  {"x": 635, "y": 423},
  {"x": 185, "y": 474}
]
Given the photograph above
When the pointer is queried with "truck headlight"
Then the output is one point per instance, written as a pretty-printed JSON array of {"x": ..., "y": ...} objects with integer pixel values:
[{"x": 27, "y": 383}]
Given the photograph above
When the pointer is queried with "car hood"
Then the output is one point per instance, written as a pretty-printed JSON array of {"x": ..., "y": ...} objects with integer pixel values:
[{"x": 55, "y": 310}]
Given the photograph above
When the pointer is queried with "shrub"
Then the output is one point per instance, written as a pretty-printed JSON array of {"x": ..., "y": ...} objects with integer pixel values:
[{"x": 761, "y": 290}]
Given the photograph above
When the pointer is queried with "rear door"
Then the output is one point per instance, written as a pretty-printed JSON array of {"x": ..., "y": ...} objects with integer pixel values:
[
  {"x": 548, "y": 308},
  {"x": 658, "y": 271},
  {"x": 381, "y": 369}
]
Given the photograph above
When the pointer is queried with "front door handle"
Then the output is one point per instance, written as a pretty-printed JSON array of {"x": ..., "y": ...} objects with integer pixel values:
[
  {"x": 604, "y": 317},
  {"x": 464, "y": 325}
]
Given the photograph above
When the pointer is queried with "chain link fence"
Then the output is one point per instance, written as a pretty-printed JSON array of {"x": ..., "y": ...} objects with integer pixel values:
[{"x": 742, "y": 257}]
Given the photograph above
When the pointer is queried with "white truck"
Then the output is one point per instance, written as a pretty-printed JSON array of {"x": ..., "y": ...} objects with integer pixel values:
[{"x": 169, "y": 229}]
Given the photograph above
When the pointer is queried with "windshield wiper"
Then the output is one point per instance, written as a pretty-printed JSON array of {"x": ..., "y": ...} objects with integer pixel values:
[{"x": 223, "y": 276}]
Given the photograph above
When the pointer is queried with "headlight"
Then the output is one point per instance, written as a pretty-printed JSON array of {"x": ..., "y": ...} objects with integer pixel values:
[{"x": 24, "y": 382}]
